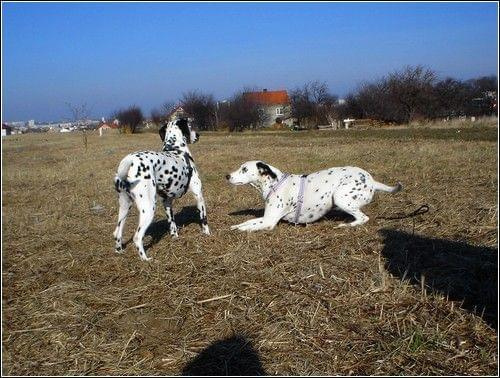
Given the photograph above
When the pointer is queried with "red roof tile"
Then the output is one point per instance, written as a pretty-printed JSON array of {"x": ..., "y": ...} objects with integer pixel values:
[{"x": 268, "y": 97}]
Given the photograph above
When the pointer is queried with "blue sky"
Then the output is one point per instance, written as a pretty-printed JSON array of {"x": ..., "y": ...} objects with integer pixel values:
[{"x": 111, "y": 55}]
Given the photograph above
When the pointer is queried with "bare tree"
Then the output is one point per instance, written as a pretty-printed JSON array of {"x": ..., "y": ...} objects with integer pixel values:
[
  {"x": 400, "y": 97},
  {"x": 129, "y": 118},
  {"x": 313, "y": 103},
  {"x": 411, "y": 90},
  {"x": 241, "y": 113},
  {"x": 349, "y": 109},
  {"x": 202, "y": 108},
  {"x": 79, "y": 112},
  {"x": 167, "y": 108},
  {"x": 156, "y": 116},
  {"x": 452, "y": 98}
]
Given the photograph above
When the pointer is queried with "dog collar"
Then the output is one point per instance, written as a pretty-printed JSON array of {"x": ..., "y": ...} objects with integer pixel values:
[{"x": 275, "y": 187}]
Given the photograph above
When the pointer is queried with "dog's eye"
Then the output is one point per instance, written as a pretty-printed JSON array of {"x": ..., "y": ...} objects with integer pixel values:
[{"x": 244, "y": 169}]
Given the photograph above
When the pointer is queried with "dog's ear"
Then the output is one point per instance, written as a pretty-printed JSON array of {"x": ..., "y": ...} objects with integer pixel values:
[
  {"x": 183, "y": 126},
  {"x": 265, "y": 170},
  {"x": 162, "y": 132}
]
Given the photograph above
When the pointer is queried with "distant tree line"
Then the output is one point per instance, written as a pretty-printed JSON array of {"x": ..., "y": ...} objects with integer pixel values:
[{"x": 403, "y": 96}]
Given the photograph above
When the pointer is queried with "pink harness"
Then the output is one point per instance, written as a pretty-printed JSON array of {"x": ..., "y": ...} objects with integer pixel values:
[
  {"x": 275, "y": 187},
  {"x": 300, "y": 198}
]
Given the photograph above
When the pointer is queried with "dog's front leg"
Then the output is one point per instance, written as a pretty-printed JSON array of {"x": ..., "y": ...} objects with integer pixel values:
[
  {"x": 195, "y": 187},
  {"x": 238, "y": 226},
  {"x": 270, "y": 219},
  {"x": 257, "y": 224}
]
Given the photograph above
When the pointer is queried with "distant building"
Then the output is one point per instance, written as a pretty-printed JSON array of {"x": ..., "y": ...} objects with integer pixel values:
[
  {"x": 177, "y": 112},
  {"x": 276, "y": 105},
  {"x": 6, "y": 129},
  {"x": 31, "y": 123},
  {"x": 107, "y": 126}
]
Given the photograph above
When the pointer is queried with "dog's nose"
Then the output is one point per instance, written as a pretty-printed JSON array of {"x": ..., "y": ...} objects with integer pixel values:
[{"x": 228, "y": 177}]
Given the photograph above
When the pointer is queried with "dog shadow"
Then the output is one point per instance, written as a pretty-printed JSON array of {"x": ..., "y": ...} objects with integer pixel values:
[
  {"x": 253, "y": 212},
  {"x": 332, "y": 215},
  {"x": 460, "y": 271},
  {"x": 157, "y": 230},
  {"x": 231, "y": 356}
]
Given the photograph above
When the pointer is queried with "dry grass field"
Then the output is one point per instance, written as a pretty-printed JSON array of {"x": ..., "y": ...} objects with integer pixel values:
[{"x": 410, "y": 296}]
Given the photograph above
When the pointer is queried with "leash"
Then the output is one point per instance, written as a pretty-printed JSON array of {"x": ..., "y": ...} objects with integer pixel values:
[
  {"x": 421, "y": 210},
  {"x": 275, "y": 187},
  {"x": 300, "y": 198}
]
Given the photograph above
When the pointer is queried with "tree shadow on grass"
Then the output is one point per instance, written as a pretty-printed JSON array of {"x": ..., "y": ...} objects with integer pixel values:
[
  {"x": 231, "y": 356},
  {"x": 461, "y": 271},
  {"x": 157, "y": 230}
]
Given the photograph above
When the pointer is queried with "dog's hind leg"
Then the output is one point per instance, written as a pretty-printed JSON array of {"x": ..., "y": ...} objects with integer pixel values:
[
  {"x": 359, "y": 218},
  {"x": 125, "y": 203},
  {"x": 146, "y": 204},
  {"x": 167, "y": 204},
  {"x": 344, "y": 201}
]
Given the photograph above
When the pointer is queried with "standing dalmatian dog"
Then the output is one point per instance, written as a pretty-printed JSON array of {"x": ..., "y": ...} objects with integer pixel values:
[
  {"x": 170, "y": 173},
  {"x": 307, "y": 198}
]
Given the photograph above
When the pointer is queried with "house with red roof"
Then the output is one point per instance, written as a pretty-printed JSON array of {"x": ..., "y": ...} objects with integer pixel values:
[
  {"x": 108, "y": 126},
  {"x": 276, "y": 104}
]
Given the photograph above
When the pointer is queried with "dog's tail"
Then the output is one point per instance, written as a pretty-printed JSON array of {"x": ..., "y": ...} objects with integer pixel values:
[
  {"x": 121, "y": 182},
  {"x": 385, "y": 188}
]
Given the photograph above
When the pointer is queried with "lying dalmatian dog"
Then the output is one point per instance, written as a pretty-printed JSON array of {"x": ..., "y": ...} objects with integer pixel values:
[
  {"x": 170, "y": 173},
  {"x": 307, "y": 198}
]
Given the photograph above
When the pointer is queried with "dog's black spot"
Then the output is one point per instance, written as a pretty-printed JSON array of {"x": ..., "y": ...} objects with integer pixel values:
[
  {"x": 147, "y": 177},
  {"x": 317, "y": 190},
  {"x": 143, "y": 211},
  {"x": 354, "y": 197}
]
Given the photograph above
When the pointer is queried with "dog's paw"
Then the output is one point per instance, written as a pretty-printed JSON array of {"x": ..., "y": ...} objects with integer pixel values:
[
  {"x": 206, "y": 230},
  {"x": 342, "y": 225}
]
